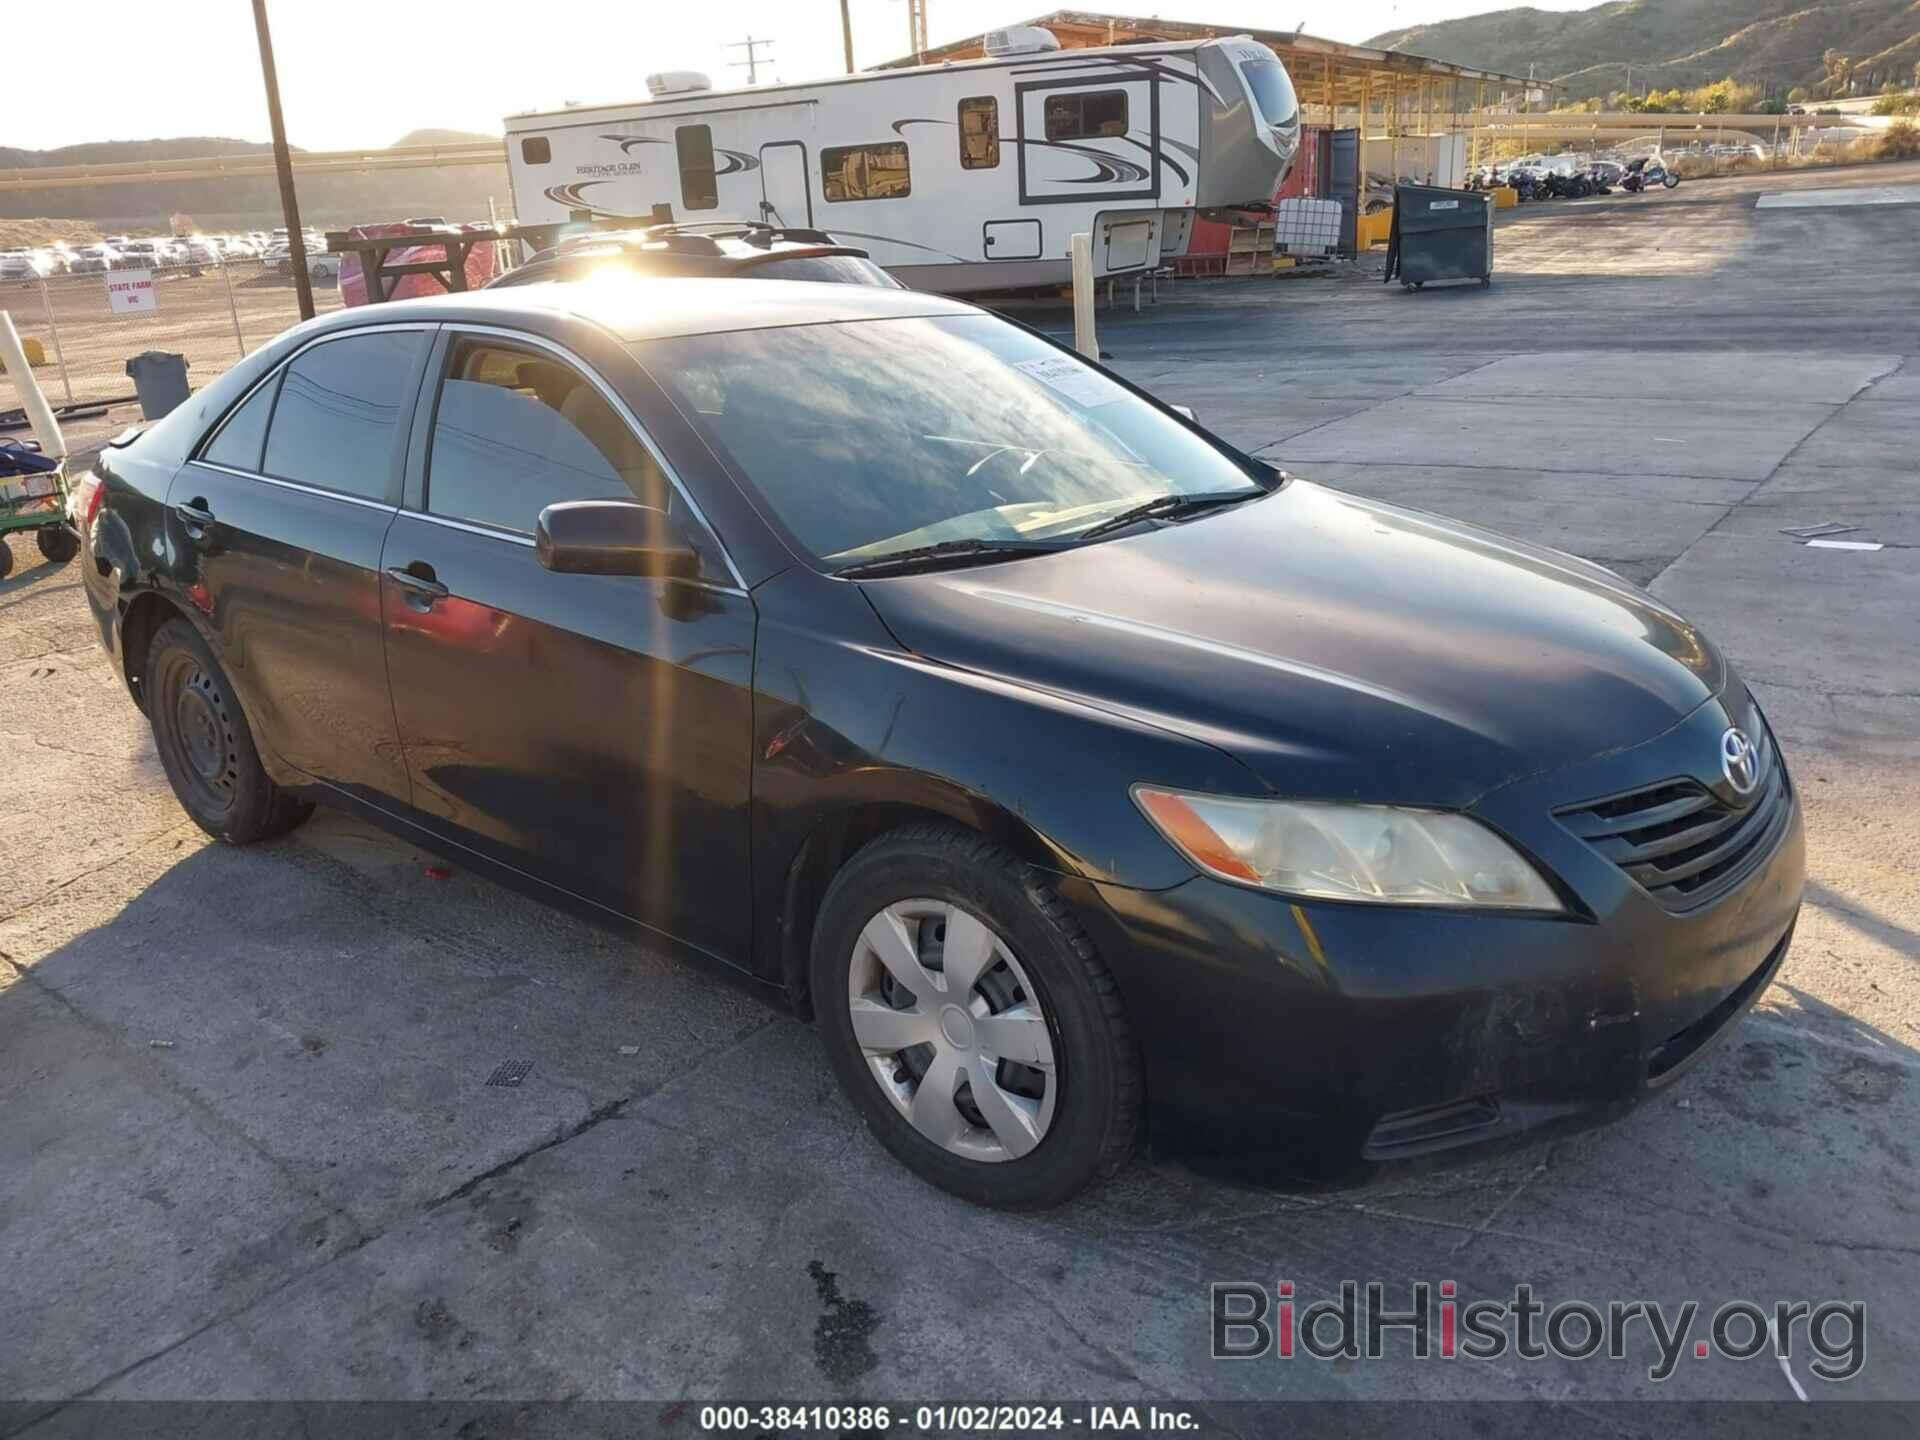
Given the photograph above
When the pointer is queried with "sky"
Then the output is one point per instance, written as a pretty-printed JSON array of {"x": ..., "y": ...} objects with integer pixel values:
[{"x": 357, "y": 73}]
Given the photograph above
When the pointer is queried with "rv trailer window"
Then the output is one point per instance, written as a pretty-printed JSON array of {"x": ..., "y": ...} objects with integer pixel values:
[
  {"x": 866, "y": 172},
  {"x": 699, "y": 188},
  {"x": 1087, "y": 116},
  {"x": 979, "y": 133},
  {"x": 536, "y": 150}
]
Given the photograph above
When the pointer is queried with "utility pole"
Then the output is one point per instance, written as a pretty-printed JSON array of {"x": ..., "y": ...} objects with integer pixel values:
[
  {"x": 283, "y": 165},
  {"x": 846, "y": 33},
  {"x": 917, "y": 28},
  {"x": 752, "y": 63}
]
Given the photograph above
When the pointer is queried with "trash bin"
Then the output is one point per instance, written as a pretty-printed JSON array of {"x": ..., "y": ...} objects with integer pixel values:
[
  {"x": 1440, "y": 235},
  {"x": 160, "y": 380}
]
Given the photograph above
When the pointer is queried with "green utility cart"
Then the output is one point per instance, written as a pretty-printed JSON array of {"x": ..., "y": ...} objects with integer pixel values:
[{"x": 33, "y": 496}]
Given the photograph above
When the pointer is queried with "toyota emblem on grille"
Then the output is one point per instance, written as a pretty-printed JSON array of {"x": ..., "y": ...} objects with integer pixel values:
[{"x": 1739, "y": 761}]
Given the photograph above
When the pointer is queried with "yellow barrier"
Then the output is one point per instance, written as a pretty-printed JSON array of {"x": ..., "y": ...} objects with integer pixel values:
[
  {"x": 1373, "y": 229},
  {"x": 1505, "y": 197},
  {"x": 36, "y": 353}
]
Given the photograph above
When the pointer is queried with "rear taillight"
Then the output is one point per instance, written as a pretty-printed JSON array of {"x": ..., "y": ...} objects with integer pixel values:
[{"x": 83, "y": 501}]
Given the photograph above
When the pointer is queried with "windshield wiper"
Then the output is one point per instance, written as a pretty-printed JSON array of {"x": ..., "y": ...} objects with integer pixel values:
[
  {"x": 951, "y": 553},
  {"x": 1165, "y": 507}
]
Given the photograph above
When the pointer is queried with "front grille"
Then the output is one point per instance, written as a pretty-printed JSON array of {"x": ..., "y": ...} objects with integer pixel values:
[{"x": 1680, "y": 842}]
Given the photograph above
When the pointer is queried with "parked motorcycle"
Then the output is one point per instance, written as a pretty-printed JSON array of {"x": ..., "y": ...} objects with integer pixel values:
[
  {"x": 1525, "y": 186},
  {"x": 1566, "y": 187},
  {"x": 1644, "y": 173}
]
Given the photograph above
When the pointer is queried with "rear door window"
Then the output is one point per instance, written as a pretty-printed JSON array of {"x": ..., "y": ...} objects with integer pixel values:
[
  {"x": 516, "y": 430},
  {"x": 238, "y": 443},
  {"x": 340, "y": 420}
]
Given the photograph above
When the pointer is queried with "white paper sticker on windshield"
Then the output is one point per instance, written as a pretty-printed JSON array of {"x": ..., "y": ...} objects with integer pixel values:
[{"x": 1072, "y": 379}]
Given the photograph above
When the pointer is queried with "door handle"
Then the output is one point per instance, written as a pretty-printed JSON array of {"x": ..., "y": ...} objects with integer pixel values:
[
  {"x": 419, "y": 582},
  {"x": 194, "y": 514}
]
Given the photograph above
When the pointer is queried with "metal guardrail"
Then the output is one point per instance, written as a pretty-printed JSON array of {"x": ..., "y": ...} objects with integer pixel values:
[{"x": 212, "y": 313}]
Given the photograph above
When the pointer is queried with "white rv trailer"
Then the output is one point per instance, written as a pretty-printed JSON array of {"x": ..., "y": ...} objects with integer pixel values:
[{"x": 957, "y": 177}]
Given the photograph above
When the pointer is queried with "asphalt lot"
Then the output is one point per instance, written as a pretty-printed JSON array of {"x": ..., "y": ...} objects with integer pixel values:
[{"x": 247, "y": 1149}]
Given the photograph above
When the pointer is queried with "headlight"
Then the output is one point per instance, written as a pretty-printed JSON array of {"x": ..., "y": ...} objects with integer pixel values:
[{"x": 1348, "y": 852}]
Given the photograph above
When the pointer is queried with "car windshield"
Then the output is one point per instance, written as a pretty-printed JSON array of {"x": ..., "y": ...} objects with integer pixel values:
[{"x": 867, "y": 438}]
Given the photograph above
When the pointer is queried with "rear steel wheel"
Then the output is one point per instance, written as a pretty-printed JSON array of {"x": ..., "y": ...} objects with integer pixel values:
[
  {"x": 199, "y": 742},
  {"x": 953, "y": 1031},
  {"x": 205, "y": 746}
]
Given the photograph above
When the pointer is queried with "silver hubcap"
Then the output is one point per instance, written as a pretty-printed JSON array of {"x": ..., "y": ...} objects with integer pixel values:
[{"x": 952, "y": 1030}]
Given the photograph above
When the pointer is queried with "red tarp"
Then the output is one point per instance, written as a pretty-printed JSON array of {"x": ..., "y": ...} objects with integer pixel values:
[{"x": 353, "y": 282}]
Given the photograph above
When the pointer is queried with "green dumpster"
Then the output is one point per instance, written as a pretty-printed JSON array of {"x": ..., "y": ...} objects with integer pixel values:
[{"x": 1440, "y": 235}]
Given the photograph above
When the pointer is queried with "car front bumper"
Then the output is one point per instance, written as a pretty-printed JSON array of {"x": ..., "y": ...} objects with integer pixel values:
[{"x": 1315, "y": 1039}]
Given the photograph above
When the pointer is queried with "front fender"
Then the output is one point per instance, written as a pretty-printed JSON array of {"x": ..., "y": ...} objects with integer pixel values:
[{"x": 847, "y": 723}]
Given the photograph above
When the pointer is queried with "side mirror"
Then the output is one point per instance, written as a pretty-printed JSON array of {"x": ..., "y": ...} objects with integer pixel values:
[
  {"x": 1185, "y": 411},
  {"x": 612, "y": 537}
]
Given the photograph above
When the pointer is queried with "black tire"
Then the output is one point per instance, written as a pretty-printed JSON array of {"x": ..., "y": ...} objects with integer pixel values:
[
  {"x": 205, "y": 746},
  {"x": 58, "y": 544},
  {"x": 6, "y": 558},
  {"x": 1095, "y": 1122}
]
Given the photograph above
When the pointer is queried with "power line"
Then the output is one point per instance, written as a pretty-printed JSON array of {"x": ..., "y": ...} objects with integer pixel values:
[{"x": 753, "y": 62}]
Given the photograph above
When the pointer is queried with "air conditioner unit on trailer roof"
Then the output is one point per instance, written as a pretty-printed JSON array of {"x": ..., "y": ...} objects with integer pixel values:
[{"x": 1021, "y": 40}]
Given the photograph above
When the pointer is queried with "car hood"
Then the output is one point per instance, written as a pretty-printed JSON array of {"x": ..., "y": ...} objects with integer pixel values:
[{"x": 1340, "y": 648}]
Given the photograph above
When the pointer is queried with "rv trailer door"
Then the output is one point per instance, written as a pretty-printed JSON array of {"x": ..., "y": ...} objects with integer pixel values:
[
  {"x": 785, "y": 198},
  {"x": 1091, "y": 138}
]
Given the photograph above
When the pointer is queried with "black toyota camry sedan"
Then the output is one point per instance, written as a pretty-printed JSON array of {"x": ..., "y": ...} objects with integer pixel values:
[{"x": 1078, "y": 775}]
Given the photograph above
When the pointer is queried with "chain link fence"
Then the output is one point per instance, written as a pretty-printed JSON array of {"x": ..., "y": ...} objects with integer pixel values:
[{"x": 212, "y": 313}]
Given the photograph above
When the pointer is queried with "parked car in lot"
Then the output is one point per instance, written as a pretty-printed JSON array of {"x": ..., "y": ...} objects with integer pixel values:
[
  {"x": 93, "y": 259},
  {"x": 1068, "y": 766},
  {"x": 761, "y": 252},
  {"x": 320, "y": 265},
  {"x": 149, "y": 254},
  {"x": 20, "y": 265}
]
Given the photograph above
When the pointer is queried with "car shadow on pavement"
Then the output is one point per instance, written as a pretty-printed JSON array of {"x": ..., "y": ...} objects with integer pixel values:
[{"x": 1864, "y": 918}]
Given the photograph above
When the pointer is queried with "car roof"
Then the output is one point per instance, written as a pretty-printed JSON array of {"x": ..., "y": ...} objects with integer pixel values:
[{"x": 636, "y": 307}]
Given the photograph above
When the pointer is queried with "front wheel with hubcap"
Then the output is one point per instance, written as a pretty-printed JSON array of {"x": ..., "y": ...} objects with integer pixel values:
[{"x": 970, "y": 1021}]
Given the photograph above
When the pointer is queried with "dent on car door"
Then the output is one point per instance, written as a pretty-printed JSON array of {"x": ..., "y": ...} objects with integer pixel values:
[
  {"x": 279, "y": 521},
  {"x": 589, "y": 729}
]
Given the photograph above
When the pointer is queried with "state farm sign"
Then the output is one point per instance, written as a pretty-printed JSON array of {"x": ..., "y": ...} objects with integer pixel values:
[{"x": 131, "y": 291}]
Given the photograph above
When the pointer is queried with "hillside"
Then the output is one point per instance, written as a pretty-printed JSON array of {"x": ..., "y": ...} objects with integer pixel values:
[
  {"x": 442, "y": 137},
  {"x": 1776, "y": 44},
  {"x": 31, "y": 234},
  {"x": 459, "y": 192}
]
